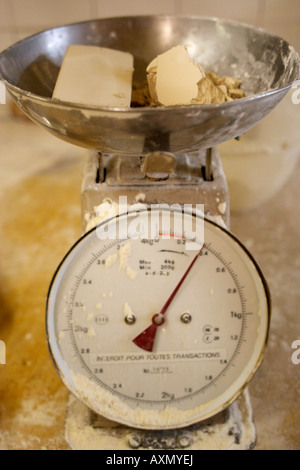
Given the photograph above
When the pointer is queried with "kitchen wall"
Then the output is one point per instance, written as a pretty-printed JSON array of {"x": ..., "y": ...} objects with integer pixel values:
[{"x": 21, "y": 18}]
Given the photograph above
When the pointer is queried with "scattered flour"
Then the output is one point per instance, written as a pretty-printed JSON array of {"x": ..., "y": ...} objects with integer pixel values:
[
  {"x": 215, "y": 435},
  {"x": 33, "y": 414},
  {"x": 131, "y": 273},
  {"x": 124, "y": 253},
  {"x": 110, "y": 260}
]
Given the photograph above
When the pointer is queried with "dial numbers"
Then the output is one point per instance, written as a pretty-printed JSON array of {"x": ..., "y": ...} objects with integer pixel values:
[{"x": 104, "y": 284}]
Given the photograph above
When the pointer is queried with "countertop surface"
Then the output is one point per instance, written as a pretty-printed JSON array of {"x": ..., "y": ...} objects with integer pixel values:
[{"x": 40, "y": 180}]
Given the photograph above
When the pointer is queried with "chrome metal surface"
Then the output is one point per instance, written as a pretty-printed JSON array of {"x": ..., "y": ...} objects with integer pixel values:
[{"x": 266, "y": 64}]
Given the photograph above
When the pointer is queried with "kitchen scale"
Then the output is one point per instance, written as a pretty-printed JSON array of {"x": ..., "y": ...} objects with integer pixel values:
[{"x": 157, "y": 318}]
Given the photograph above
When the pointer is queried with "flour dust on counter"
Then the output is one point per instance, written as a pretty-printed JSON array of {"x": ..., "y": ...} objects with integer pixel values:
[
  {"x": 35, "y": 232},
  {"x": 272, "y": 232}
]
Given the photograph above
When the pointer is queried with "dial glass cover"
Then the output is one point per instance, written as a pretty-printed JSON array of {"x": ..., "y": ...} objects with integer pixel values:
[{"x": 200, "y": 299}]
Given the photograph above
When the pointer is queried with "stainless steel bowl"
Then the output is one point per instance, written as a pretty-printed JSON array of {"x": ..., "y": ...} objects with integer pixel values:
[{"x": 266, "y": 64}]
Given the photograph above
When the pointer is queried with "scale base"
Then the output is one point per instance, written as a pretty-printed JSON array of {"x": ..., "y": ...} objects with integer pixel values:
[{"x": 232, "y": 429}]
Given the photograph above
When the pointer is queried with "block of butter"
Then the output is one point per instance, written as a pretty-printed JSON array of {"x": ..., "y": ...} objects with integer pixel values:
[
  {"x": 97, "y": 76},
  {"x": 173, "y": 77}
]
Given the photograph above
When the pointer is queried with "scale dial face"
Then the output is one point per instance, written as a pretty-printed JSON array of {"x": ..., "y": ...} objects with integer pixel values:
[{"x": 207, "y": 341}]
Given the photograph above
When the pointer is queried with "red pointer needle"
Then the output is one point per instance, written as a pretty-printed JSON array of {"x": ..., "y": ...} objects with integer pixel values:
[{"x": 145, "y": 340}]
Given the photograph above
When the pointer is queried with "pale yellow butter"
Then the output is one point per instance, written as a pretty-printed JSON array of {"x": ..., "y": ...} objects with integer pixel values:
[
  {"x": 97, "y": 76},
  {"x": 173, "y": 77}
]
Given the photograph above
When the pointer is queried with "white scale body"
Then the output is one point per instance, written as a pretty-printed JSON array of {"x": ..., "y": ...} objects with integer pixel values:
[{"x": 130, "y": 398}]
